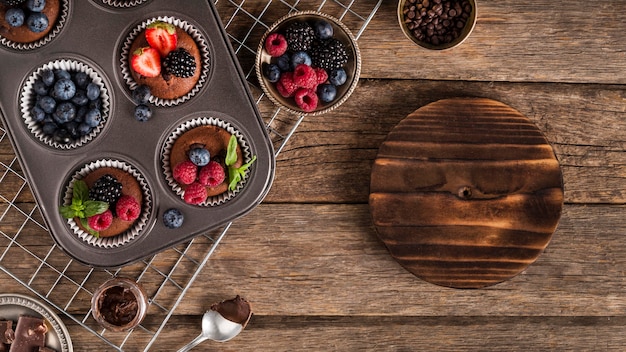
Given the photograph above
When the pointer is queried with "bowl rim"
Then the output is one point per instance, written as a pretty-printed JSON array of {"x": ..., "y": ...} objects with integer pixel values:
[
  {"x": 453, "y": 44},
  {"x": 357, "y": 60}
]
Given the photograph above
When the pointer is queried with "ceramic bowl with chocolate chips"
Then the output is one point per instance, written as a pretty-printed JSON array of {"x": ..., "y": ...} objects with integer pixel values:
[{"x": 437, "y": 24}]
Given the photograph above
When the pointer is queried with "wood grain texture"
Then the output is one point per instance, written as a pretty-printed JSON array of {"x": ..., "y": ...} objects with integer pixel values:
[
  {"x": 309, "y": 258},
  {"x": 465, "y": 192}
]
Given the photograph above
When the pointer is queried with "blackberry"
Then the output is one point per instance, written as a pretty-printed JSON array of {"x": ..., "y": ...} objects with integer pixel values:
[
  {"x": 300, "y": 36},
  {"x": 106, "y": 189},
  {"x": 12, "y": 2},
  {"x": 329, "y": 54},
  {"x": 180, "y": 63}
]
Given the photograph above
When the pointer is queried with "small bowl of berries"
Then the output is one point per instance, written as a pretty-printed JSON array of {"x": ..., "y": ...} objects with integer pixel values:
[{"x": 308, "y": 63}]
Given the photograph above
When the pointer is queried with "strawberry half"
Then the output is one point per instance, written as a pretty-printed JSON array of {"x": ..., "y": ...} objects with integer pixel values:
[
  {"x": 162, "y": 36},
  {"x": 146, "y": 62}
]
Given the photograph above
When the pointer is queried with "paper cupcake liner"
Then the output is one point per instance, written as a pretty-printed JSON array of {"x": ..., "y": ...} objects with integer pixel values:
[
  {"x": 123, "y": 4},
  {"x": 27, "y": 101},
  {"x": 140, "y": 223},
  {"x": 63, "y": 15},
  {"x": 197, "y": 37},
  {"x": 204, "y": 121}
]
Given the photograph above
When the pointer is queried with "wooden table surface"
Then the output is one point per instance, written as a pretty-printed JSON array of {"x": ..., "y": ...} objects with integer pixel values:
[{"x": 309, "y": 260}]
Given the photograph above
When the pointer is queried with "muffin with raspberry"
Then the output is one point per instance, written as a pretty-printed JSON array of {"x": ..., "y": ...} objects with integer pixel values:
[
  {"x": 105, "y": 200},
  {"x": 24, "y": 21},
  {"x": 204, "y": 161},
  {"x": 167, "y": 55}
]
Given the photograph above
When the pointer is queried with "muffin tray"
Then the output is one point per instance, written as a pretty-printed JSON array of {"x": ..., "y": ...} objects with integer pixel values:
[{"x": 94, "y": 35}]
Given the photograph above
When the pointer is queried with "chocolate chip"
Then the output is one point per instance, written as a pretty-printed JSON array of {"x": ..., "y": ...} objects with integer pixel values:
[{"x": 436, "y": 22}]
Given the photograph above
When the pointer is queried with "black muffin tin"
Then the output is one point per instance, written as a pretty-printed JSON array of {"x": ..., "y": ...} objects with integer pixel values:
[{"x": 94, "y": 33}]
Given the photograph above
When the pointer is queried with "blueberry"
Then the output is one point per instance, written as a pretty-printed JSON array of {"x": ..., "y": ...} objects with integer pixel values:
[
  {"x": 272, "y": 72},
  {"x": 62, "y": 136},
  {"x": 62, "y": 74},
  {"x": 80, "y": 114},
  {"x": 300, "y": 57},
  {"x": 284, "y": 62},
  {"x": 49, "y": 128},
  {"x": 81, "y": 79},
  {"x": 37, "y": 22},
  {"x": 199, "y": 156},
  {"x": 93, "y": 117},
  {"x": 337, "y": 76},
  {"x": 173, "y": 218},
  {"x": 93, "y": 91},
  {"x": 80, "y": 98},
  {"x": 40, "y": 88},
  {"x": 84, "y": 129},
  {"x": 323, "y": 29},
  {"x": 47, "y": 104},
  {"x": 141, "y": 94},
  {"x": 143, "y": 112},
  {"x": 38, "y": 114},
  {"x": 47, "y": 76},
  {"x": 72, "y": 128},
  {"x": 36, "y": 5},
  {"x": 95, "y": 104},
  {"x": 65, "y": 112},
  {"x": 64, "y": 89},
  {"x": 326, "y": 92},
  {"x": 14, "y": 17}
]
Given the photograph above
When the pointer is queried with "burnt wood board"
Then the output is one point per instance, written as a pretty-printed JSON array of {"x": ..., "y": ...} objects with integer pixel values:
[{"x": 466, "y": 192}]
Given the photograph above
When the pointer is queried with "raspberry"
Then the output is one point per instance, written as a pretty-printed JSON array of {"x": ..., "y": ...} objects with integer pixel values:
[
  {"x": 322, "y": 75},
  {"x": 276, "y": 44},
  {"x": 304, "y": 76},
  {"x": 127, "y": 208},
  {"x": 212, "y": 175},
  {"x": 195, "y": 193},
  {"x": 185, "y": 172},
  {"x": 100, "y": 222},
  {"x": 285, "y": 85},
  {"x": 306, "y": 99}
]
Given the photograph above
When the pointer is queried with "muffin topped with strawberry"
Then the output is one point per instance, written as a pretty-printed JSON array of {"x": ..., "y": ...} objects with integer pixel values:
[{"x": 165, "y": 58}]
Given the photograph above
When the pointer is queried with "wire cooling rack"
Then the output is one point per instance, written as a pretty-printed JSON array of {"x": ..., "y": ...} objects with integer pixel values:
[{"x": 29, "y": 255}]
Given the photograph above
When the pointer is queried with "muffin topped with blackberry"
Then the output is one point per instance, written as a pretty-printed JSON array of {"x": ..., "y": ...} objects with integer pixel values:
[
  {"x": 165, "y": 58},
  {"x": 106, "y": 202},
  {"x": 26, "y": 21}
]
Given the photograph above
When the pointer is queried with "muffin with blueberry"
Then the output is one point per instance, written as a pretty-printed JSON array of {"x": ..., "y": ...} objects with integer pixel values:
[
  {"x": 64, "y": 104},
  {"x": 204, "y": 161},
  {"x": 105, "y": 199},
  {"x": 165, "y": 55},
  {"x": 27, "y": 21}
]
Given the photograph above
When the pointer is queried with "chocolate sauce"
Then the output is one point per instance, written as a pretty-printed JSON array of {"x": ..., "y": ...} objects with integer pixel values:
[{"x": 118, "y": 305}]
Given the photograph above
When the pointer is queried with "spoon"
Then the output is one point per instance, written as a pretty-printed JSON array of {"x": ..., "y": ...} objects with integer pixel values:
[{"x": 214, "y": 327}]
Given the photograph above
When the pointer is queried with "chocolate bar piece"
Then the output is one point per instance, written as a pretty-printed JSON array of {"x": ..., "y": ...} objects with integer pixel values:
[
  {"x": 30, "y": 334},
  {"x": 6, "y": 332}
]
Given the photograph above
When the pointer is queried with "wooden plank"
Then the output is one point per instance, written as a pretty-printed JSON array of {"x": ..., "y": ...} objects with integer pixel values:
[{"x": 547, "y": 41}]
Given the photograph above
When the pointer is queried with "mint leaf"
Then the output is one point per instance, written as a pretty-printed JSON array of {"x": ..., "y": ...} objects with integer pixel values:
[
  {"x": 231, "y": 152},
  {"x": 236, "y": 174},
  {"x": 80, "y": 192},
  {"x": 93, "y": 207},
  {"x": 67, "y": 212}
]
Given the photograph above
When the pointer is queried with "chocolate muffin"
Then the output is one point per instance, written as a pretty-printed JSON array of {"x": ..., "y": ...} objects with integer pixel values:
[{"x": 22, "y": 33}]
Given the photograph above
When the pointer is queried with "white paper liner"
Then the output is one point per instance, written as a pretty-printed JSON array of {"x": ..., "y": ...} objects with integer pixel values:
[
  {"x": 197, "y": 122},
  {"x": 200, "y": 42},
  {"x": 140, "y": 223},
  {"x": 64, "y": 9},
  {"x": 27, "y": 101},
  {"x": 130, "y": 3}
]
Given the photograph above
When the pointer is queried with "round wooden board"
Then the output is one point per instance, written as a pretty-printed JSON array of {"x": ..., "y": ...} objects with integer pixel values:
[{"x": 466, "y": 192}]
